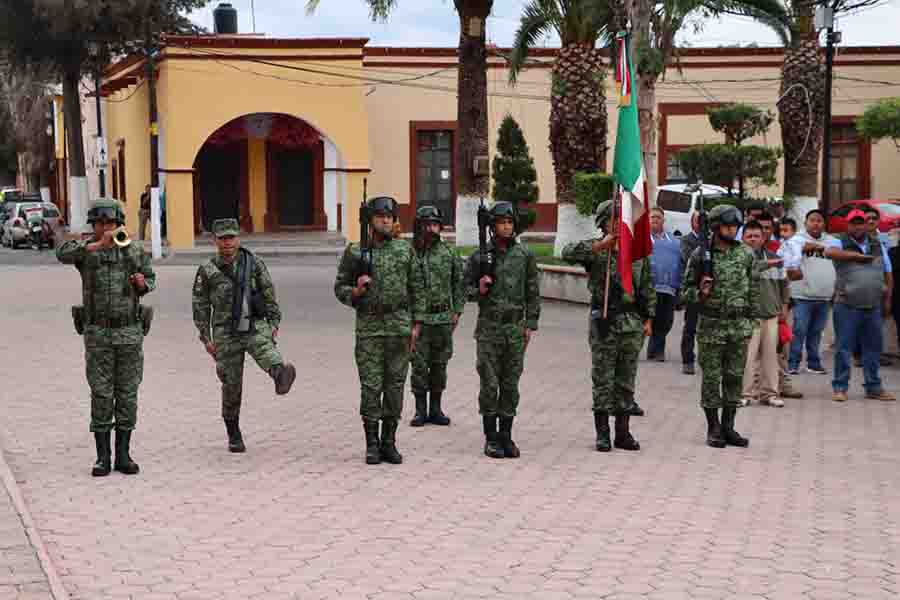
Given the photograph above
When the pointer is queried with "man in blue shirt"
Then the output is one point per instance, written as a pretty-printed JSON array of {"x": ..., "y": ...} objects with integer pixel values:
[
  {"x": 665, "y": 265},
  {"x": 862, "y": 291}
]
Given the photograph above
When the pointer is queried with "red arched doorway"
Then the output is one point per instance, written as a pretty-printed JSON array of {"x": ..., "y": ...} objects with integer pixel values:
[{"x": 273, "y": 155}]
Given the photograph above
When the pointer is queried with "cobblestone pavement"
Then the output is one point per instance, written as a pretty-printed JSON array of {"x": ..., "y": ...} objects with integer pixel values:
[
  {"x": 809, "y": 511},
  {"x": 21, "y": 576}
]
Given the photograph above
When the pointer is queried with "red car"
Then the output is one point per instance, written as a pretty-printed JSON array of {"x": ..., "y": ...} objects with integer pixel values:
[{"x": 889, "y": 209}]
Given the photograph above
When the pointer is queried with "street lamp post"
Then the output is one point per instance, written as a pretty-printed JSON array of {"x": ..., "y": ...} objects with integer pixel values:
[
  {"x": 95, "y": 51},
  {"x": 825, "y": 20}
]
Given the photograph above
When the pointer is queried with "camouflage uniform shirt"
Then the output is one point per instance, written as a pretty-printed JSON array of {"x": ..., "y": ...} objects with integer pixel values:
[
  {"x": 107, "y": 293},
  {"x": 213, "y": 294},
  {"x": 516, "y": 290},
  {"x": 445, "y": 292},
  {"x": 396, "y": 295}
]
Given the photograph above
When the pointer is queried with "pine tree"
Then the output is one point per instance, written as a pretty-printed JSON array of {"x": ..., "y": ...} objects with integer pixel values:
[{"x": 515, "y": 178}]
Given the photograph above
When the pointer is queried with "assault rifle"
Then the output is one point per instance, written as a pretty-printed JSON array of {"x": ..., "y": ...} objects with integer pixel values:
[
  {"x": 706, "y": 241},
  {"x": 485, "y": 256},
  {"x": 365, "y": 243}
]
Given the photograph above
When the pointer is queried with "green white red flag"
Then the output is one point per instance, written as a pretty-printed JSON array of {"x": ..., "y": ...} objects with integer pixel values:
[{"x": 628, "y": 171}]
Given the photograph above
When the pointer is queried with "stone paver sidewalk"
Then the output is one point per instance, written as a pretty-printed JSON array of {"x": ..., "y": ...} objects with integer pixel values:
[{"x": 808, "y": 512}]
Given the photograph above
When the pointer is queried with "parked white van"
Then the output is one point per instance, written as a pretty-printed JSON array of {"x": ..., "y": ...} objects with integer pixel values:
[{"x": 681, "y": 200}]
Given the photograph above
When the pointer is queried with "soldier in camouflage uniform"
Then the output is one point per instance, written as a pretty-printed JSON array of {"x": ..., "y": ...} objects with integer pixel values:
[
  {"x": 617, "y": 340},
  {"x": 235, "y": 312},
  {"x": 112, "y": 320},
  {"x": 390, "y": 307},
  {"x": 442, "y": 271},
  {"x": 509, "y": 305},
  {"x": 726, "y": 300}
]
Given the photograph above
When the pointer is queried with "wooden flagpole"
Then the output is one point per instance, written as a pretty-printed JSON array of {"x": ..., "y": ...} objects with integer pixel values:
[{"x": 617, "y": 197}]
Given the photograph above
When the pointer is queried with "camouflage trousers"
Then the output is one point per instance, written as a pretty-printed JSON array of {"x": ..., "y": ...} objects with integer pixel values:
[
  {"x": 230, "y": 350},
  {"x": 382, "y": 363},
  {"x": 434, "y": 349},
  {"x": 722, "y": 366},
  {"x": 614, "y": 361},
  {"x": 500, "y": 362},
  {"x": 114, "y": 374}
]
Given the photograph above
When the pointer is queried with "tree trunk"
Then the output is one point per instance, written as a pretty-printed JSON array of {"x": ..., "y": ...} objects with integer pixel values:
[
  {"x": 802, "y": 78},
  {"x": 646, "y": 94},
  {"x": 72, "y": 111},
  {"x": 472, "y": 115}
]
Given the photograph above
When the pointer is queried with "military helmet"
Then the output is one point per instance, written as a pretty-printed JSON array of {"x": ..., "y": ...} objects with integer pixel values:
[
  {"x": 383, "y": 204},
  {"x": 503, "y": 210},
  {"x": 603, "y": 212},
  {"x": 429, "y": 214},
  {"x": 106, "y": 208},
  {"x": 725, "y": 214}
]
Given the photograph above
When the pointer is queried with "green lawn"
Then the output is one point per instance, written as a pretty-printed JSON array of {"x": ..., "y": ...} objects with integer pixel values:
[{"x": 543, "y": 252}]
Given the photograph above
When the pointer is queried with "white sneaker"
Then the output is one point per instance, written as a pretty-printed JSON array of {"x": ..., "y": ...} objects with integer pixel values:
[
  {"x": 776, "y": 402},
  {"x": 745, "y": 402}
]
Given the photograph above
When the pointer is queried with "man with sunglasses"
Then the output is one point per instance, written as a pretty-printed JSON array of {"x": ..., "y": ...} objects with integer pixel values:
[
  {"x": 873, "y": 220},
  {"x": 727, "y": 297},
  {"x": 113, "y": 322}
]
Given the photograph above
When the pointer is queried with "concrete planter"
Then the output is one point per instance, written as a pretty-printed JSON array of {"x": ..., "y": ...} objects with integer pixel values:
[{"x": 564, "y": 283}]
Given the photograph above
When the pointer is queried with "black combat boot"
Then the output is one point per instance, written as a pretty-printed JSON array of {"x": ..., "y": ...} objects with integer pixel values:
[
  {"x": 624, "y": 439},
  {"x": 389, "y": 453},
  {"x": 283, "y": 375},
  {"x": 104, "y": 463},
  {"x": 714, "y": 437},
  {"x": 436, "y": 416},
  {"x": 124, "y": 464},
  {"x": 634, "y": 409},
  {"x": 510, "y": 450},
  {"x": 601, "y": 424},
  {"x": 235, "y": 439},
  {"x": 421, "y": 410},
  {"x": 373, "y": 453},
  {"x": 492, "y": 447},
  {"x": 732, "y": 437}
]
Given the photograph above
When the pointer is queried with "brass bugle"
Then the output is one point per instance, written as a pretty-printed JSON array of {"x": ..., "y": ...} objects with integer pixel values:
[{"x": 121, "y": 237}]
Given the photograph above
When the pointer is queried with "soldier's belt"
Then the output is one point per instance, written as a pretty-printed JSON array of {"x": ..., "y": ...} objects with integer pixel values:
[
  {"x": 507, "y": 316},
  {"x": 439, "y": 308},
  {"x": 114, "y": 323},
  {"x": 382, "y": 309},
  {"x": 724, "y": 313}
]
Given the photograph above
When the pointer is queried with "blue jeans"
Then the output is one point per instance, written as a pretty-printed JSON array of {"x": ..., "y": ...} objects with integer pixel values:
[
  {"x": 854, "y": 326},
  {"x": 810, "y": 317}
]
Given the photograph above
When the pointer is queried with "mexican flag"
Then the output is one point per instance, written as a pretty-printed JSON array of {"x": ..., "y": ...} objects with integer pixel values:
[{"x": 628, "y": 171}]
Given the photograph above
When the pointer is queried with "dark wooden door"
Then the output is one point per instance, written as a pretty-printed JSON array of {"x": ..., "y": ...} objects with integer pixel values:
[
  {"x": 435, "y": 176},
  {"x": 294, "y": 170},
  {"x": 219, "y": 173}
]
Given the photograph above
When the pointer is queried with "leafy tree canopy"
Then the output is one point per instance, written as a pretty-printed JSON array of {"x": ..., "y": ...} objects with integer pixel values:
[{"x": 881, "y": 120}]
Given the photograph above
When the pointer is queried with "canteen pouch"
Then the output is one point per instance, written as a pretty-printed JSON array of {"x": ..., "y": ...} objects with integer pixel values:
[
  {"x": 599, "y": 325},
  {"x": 78, "y": 319},
  {"x": 146, "y": 316}
]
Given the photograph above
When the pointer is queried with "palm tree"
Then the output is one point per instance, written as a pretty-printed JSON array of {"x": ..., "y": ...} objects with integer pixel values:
[
  {"x": 801, "y": 104},
  {"x": 472, "y": 107},
  {"x": 578, "y": 120}
]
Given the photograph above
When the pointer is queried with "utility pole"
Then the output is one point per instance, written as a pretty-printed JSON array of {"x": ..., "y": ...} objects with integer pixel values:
[
  {"x": 156, "y": 214},
  {"x": 825, "y": 20},
  {"x": 253, "y": 14}
]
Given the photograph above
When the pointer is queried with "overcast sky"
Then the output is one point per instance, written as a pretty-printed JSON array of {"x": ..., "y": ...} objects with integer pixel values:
[{"x": 433, "y": 23}]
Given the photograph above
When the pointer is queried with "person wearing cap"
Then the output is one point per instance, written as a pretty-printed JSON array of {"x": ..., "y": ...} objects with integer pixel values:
[
  {"x": 445, "y": 299},
  {"x": 726, "y": 296},
  {"x": 509, "y": 306},
  {"x": 873, "y": 221},
  {"x": 113, "y": 280},
  {"x": 615, "y": 339},
  {"x": 861, "y": 293},
  {"x": 236, "y": 313},
  {"x": 390, "y": 305}
]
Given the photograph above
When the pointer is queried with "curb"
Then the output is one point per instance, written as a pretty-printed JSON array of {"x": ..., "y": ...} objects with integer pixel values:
[{"x": 34, "y": 537}]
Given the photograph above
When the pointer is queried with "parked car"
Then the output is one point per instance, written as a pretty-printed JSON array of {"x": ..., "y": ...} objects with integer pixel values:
[
  {"x": 889, "y": 209},
  {"x": 10, "y": 191},
  {"x": 14, "y": 221},
  {"x": 680, "y": 201}
]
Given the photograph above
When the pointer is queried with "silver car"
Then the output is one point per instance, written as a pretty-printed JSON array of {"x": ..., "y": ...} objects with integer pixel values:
[{"x": 14, "y": 220}]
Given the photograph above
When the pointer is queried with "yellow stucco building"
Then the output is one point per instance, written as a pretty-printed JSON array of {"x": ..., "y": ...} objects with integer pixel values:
[{"x": 281, "y": 133}]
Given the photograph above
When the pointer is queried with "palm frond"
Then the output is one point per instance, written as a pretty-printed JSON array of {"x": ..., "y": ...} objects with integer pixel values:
[
  {"x": 538, "y": 17},
  {"x": 771, "y": 13},
  {"x": 378, "y": 9}
]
